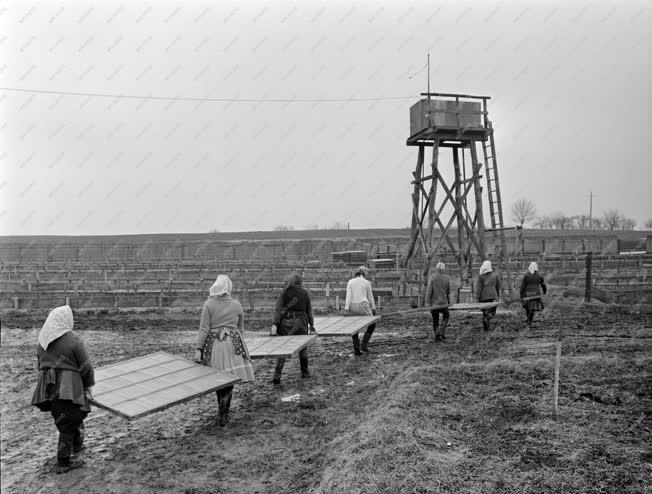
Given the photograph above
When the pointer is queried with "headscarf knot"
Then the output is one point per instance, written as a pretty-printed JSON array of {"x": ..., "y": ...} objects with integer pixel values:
[
  {"x": 221, "y": 286},
  {"x": 59, "y": 322}
]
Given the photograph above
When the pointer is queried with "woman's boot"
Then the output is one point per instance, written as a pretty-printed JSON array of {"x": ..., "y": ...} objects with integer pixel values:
[
  {"x": 224, "y": 416},
  {"x": 356, "y": 345},
  {"x": 365, "y": 342},
  {"x": 277, "y": 372},
  {"x": 224, "y": 401},
  {"x": 303, "y": 362},
  {"x": 442, "y": 331}
]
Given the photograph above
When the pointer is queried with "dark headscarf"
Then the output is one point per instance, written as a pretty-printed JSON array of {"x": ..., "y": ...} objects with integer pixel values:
[{"x": 363, "y": 270}]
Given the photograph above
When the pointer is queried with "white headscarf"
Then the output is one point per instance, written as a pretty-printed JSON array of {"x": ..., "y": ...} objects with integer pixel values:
[
  {"x": 440, "y": 267},
  {"x": 534, "y": 267},
  {"x": 486, "y": 267},
  {"x": 59, "y": 322},
  {"x": 221, "y": 286}
]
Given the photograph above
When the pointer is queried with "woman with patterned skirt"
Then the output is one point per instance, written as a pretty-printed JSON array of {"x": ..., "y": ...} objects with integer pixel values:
[
  {"x": 221, "y": 343},
  {"x": 532, "y": 287}
]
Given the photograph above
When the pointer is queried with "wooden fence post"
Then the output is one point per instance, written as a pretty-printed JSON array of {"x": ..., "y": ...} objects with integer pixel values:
[
  {"x": 555, "y": 388},
  {"x": 589, "y": 262}
]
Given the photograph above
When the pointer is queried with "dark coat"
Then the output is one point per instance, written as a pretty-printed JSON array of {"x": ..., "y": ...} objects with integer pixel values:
[
  {"x": 488, "y": 288},
  {"x": 65, "y": 371},
  {"x": 293, "y": 312},
  {"x": 531, "y": 283},
  {"x": 438, "y": 291}
]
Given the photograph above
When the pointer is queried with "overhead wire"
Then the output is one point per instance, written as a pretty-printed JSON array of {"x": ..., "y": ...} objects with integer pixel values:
[{"x": 206, "y": 99}]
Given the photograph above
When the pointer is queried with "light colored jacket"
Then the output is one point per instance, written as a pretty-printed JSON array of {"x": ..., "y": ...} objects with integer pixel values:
[{"x": 359, "y": 290}]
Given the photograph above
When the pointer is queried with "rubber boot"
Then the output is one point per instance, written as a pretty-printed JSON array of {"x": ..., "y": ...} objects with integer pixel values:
[
  {"x": 277, "y": 372},
  {"x": 66, "y": 466},
  {"x": 226, "y": 407},
  {"x": 356, "y": 345},
  {"x": 303, "y": 362},
  {"x": 78, "y": 440},
  {"x": 442, "y": 331},
  {"x": 365, "y": 342},
  {"x": 220, "y": 401},
  {"x": 64, "y": 449}
]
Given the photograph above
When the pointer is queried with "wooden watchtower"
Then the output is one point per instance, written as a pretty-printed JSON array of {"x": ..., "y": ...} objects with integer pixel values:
[{"x": 460, "y": 123}]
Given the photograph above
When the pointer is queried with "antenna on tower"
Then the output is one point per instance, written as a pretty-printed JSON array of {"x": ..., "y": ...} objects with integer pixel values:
[{"x": 428, "y": 76}]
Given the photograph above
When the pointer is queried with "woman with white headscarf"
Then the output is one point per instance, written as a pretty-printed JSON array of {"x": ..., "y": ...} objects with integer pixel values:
[
  {"x": 63, "y": 387},
  {"x": 532, "y": 285},
  {"x": 438, "y": 293},
  {"x": 221, "y": 343},
  {"x": 488, "y": 290}
]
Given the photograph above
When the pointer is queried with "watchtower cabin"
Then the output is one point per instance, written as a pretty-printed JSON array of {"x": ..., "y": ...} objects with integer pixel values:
[{"x": 448, "y": 214}]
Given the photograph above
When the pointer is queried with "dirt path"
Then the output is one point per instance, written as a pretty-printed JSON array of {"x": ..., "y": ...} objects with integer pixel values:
[{"x": 471, "y": 415}]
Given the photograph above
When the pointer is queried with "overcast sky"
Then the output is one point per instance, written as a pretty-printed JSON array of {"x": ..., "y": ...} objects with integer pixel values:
[{"x": 569, "y": 81}]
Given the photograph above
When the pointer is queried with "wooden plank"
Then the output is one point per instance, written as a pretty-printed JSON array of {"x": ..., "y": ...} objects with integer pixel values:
[
  {"x": 326, "y": 322},
  {"x": 154, "y": 384},
  {"x": 343, "y": 325},
  {"x": 144, "y": 385},
  {"x": 270, "y": 344},
  {"x": 278, "y": 346},
  {"x": 420, "y": 309},
  {"x": 475, "y": 305},
  {"x": 143, "y": 375},
  {"x": 126, "y": 366}
]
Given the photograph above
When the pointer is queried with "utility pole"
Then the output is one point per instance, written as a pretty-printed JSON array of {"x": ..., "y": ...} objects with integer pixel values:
[
  {"x": 591, "y": 210},
  {"x": 428, "y": 76}
]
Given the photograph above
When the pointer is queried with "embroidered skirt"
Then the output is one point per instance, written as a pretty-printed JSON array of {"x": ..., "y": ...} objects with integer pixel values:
[
  {"x": 360, "y": 308},
  {"x": 227, "y": 354}
]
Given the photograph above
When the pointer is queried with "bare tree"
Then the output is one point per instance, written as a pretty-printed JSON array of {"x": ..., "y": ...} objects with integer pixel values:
[
  {"x": 612, "y": 219},
  {"x": 543, "y": 222},
  {"x": 598, "y": 224},
  {"x": 523, "y": 210},
  {"x": 283, "y": 228},
  {"x": 648, "y": 225},
  {"x": 561, "y": 221},
  {"x": 583, "y": 222},
  {"x": 628, "y": 224},
  {"x": 339, "y": 225}
]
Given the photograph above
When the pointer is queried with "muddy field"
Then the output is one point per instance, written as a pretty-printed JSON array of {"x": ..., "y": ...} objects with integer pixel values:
[{"x": 473, "y": 414}]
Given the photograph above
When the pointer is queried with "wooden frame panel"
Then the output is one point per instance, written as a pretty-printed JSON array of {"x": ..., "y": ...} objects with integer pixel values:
[
  {"x": 278, "y": 346},
  {"x": 144, "y": 385},
  {"x": 343, "y": 325}
]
